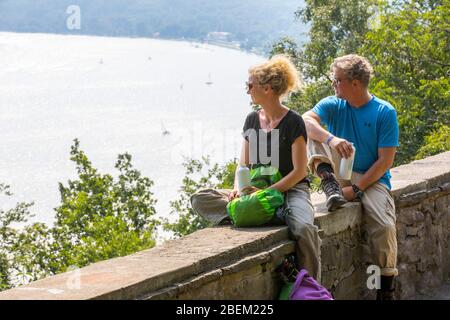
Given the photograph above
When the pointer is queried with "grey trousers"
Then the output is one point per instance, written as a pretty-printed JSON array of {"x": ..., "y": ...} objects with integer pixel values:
[
  {"x": 211, "y": 205},
  {"x": 378, "y": 207}
]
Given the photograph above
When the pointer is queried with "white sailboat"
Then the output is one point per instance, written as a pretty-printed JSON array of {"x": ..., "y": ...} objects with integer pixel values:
[
  {"x": 209, "y": 82},
  {"x": 165, "y": 132}
]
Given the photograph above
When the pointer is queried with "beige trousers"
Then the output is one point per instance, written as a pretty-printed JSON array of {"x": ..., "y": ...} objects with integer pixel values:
[{"x": 378, "y": 210}]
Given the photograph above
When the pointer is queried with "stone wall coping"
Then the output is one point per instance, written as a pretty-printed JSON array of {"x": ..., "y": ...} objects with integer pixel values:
[
  {"x": 136, "y": 275},
  {"x": 421, "y": 175}
]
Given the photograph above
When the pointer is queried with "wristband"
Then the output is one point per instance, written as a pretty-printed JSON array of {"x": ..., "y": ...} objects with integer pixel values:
[{"x": 331, "y": 137}]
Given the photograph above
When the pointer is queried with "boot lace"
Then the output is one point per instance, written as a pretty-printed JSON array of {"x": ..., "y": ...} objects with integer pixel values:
[{"x": 329, "y": 185}]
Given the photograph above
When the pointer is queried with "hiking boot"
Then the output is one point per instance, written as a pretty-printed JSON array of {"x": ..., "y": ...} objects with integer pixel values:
[
  {"x": 383, "y": 295},
  {"x": 387, "y": 288},
  {"x": 288, "y": 269},
  {"x": 333, "y": 191}
]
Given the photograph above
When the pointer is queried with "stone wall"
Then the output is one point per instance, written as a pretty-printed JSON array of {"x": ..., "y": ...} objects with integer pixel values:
[
  {"x": 343, "y": 272},
  {"x": 423, "y": 236},
  {"x": 232, "y": 263}
]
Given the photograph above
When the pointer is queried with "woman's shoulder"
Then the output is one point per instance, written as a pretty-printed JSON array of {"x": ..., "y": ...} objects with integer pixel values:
[
  {"x": 252, "y": 120},
  {"x": 255, "y": 111},
  {"x": 253, "y": 115},
  {"x": 294, "y": 117}
]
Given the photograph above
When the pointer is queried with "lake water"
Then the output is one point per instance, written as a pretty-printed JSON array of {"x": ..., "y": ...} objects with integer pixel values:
[{"x": 115, "y": 95}]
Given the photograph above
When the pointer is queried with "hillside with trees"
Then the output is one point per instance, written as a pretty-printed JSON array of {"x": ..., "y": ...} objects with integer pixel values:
[{"x": 252, "y": 23}]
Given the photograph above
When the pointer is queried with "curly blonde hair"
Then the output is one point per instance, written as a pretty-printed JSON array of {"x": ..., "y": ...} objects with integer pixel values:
[
  {"x": 280, "y": 73},
  {"x": 355, "y": 68}
]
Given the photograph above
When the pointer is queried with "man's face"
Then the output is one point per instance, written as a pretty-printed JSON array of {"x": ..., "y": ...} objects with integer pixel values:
[{"x": 341, "y": 84}]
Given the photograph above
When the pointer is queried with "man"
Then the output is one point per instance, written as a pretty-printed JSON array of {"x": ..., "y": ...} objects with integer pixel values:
[{"x": 354, "y": 116}]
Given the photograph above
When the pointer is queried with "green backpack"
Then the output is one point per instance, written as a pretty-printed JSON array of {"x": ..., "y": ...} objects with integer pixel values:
[{"x": 259, "y": 207}]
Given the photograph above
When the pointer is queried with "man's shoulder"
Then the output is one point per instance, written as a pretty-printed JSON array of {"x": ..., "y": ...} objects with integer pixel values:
[
  {"x": 330, "y": 100},
  {"x": 383, "y": 105},
  {"x": 328, "y": 104}
]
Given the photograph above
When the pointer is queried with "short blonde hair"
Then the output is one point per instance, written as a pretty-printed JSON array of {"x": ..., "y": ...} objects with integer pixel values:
[
  {"x": 280, "y": 73},
  {"x": 355, "y": 68}
]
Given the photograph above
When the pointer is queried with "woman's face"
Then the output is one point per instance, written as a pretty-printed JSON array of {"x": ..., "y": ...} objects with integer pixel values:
[{"x": 255, "y": 90}]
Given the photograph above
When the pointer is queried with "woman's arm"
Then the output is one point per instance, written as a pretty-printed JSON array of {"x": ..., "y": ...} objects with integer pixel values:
[{"x": 299, "y": 161}]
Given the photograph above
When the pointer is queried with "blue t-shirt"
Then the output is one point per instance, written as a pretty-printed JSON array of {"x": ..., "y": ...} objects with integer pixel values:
[{"x": 369, "y": 127}]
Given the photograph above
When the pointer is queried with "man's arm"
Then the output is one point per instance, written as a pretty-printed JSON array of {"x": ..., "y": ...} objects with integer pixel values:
[
  {"x": 384, "y": 163},
  {"x": 313, "y": 128},
  {"x": 318, "y": 133},
  {"x": 376, "y": 171}
]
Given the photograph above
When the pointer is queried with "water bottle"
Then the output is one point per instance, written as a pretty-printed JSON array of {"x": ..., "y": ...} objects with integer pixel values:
[
  {"x": 243, "y": 177},
  {"x": 346, "y": 166}
]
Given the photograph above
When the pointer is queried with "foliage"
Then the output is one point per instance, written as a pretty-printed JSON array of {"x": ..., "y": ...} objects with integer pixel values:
[
  {"x": 337, "y": 27},
  {"x": 9, "y": 236},
  {"x": 200, "y": 174},
  {"x": 412, "y": 69},
  {"x": 436, "y": 142},
  {"x": 99, "y": 218}
]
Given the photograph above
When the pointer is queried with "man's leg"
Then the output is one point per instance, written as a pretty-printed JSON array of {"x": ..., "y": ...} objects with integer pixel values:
[
  {"x": 324, "y": 163},
  {"x": 301, "y": 225},
  {"x": 211, "y": 204},
  {"x": 380, "y": 219}
]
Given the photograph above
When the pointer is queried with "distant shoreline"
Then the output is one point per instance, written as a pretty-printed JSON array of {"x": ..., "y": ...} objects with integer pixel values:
[{"x": 255, "y": 51}]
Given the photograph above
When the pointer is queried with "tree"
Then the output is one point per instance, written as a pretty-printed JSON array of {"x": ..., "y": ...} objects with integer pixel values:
[
  {"x": 410, "y": 54},
  {"x": 99, "y": 218},
  {"x": 9, "y": 236},
  {"x": 436, "y": 142},
  {"x": 338, "y": 27}
]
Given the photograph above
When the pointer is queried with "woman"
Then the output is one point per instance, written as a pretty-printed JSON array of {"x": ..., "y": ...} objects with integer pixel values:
[{"x": 267, "y": 84}]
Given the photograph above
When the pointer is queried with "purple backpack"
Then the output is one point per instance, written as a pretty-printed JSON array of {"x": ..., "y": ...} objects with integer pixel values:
[{"x": 307, "y": 288}]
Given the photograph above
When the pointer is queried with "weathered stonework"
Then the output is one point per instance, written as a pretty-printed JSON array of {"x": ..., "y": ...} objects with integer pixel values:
[
  {"x": 423, "y": 241},
  {"x": 232, "y": 263},
  {"x": 342, "y": 268}
]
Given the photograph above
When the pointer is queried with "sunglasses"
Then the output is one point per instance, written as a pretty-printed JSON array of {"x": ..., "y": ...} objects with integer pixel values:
[
  {"x": 336, "y": 80},
  {"x": 249, "y": 86}
]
